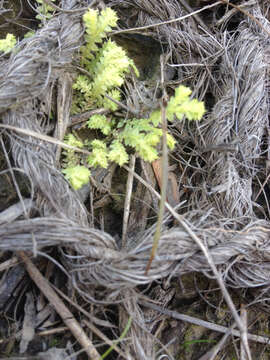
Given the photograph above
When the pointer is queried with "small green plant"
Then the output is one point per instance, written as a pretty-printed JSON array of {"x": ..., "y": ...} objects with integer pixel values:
[
  {"x": 7, "y": 44},
  {"x": 105, "y": 66},
  {"x": 105, "y": 62},
  {"x": 45, "y": 11}
]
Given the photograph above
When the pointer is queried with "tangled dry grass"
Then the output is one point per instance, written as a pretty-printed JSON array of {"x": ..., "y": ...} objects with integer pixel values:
[{"x": 224, "y": 159}]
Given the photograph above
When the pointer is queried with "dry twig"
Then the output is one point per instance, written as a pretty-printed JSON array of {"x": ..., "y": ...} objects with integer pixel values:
[{"x": 60, "y": 307}]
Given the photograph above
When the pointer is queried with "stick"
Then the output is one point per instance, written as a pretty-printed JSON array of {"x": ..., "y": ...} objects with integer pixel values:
[
  {"x": 206, "y": 324},
  {"x": 59, "y": 306},
  {"x": 165, "y": 167},
  {"x": 128, "y": 200}
]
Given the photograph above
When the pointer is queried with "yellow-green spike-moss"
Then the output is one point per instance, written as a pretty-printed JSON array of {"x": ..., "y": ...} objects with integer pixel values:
[
  {"x": 107, "y": 64},
  {"x": 7, "y": 44},
  {"x": 77, "y": 176}
]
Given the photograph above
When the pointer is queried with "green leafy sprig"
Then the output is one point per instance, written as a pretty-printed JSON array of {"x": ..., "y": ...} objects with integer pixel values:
[
  {"x": 45, "y": 11},
  {"x": 107, "y": 65},
  {"x": 105, "y": 61},
  {"x": 7, "y": 44}
]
